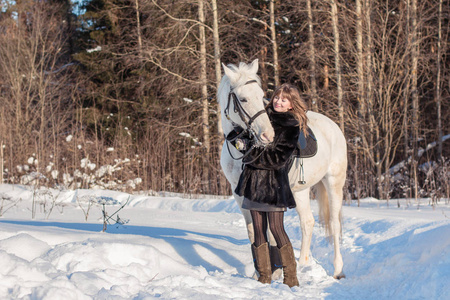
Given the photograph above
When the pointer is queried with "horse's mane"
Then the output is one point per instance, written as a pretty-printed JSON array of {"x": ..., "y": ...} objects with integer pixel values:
[{"x": 245, "y": 74}]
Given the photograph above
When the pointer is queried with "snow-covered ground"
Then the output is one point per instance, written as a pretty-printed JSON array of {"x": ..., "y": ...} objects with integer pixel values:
[{"x": 179, "y": 248}]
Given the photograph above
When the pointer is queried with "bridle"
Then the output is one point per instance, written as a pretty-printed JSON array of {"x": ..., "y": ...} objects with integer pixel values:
[{"x": 245, "y": 117}]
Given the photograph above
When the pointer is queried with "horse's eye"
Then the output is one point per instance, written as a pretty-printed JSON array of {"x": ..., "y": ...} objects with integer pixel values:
[{"x": 243, "y": 100}]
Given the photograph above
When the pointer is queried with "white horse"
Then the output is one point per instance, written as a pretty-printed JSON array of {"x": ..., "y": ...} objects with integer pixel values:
[{"x": 241, "y": 100}]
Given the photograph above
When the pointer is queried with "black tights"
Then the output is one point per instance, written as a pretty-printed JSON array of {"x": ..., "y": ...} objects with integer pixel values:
[{"x": 276, "y": 225}]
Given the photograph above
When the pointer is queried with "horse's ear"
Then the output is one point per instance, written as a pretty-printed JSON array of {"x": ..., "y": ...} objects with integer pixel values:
[
  {"x": 230, "y": 73},
  {"x": 254, "y": 66}
]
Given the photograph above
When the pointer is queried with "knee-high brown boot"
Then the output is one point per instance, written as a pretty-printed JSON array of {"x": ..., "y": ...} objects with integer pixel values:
[
  {"x": 289, "y": 265},
  {"x": 262, "y": 262}
]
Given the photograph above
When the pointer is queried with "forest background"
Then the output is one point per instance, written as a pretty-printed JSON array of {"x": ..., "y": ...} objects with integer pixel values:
[{"x": 122, "y": 94}]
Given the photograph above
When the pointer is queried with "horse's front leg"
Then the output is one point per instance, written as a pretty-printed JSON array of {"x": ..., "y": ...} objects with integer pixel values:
[
  {"x": 247, "y": 218},
  {"x": 306, "y": 223}
]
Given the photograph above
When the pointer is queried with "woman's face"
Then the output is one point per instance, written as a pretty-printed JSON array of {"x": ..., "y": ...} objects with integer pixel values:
[{"x": 281, "y": 104}]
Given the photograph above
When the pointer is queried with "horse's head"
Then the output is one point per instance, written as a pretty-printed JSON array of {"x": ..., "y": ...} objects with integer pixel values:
[{"x": 242, "y": 101}]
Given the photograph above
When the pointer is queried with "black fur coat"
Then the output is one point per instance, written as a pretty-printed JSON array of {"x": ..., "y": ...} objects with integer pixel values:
[{"x": 265, "y": 175}]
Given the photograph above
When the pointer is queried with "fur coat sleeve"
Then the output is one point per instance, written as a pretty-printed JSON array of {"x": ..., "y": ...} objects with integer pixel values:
[{"x": 275, "y": 155}]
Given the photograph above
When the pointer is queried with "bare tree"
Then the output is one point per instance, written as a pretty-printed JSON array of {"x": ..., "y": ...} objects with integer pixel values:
[
  {"x": 368, "y": 140},
  {"x": 276, "y": 68},
  {"x": 203, "y": 79},
  {"x": 438, "y": 81},
  {"x": 337, "y": 62},
  {"x": 407, "y": 87},
  {"x": 360, "y": 95},
  {"x": 312, "y": 57},
  {"x": 204, "y": 93},
  {"x": 217, "y": 65},
  {"x": 138, "y": 27},
  {"x": 414, "y": 92},
  {"x": 37, "y": 87}
]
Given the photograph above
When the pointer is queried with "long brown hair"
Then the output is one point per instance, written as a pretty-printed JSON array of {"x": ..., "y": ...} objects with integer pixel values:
[{"x": 299, "y": 106}]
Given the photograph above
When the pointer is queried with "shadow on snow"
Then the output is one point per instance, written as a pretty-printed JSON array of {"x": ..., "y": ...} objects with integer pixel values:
[{"x": 179, "y": 239}]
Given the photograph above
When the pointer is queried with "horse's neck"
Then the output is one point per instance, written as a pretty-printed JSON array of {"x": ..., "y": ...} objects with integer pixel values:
[{"x": 227, "y": 126}]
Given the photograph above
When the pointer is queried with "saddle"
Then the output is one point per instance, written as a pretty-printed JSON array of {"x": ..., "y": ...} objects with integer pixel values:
[{"x": 306, "y": 146}]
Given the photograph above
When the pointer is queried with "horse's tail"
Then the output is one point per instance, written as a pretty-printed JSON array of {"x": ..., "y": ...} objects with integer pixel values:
[{"x": 324, "y": 208}]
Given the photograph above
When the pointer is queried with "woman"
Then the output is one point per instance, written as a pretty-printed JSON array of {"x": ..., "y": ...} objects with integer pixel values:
[{"x": 264, "y": 183}]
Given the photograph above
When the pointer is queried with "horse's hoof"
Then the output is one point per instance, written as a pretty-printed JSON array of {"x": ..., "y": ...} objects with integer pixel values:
[{"x": 339, "y": 276}]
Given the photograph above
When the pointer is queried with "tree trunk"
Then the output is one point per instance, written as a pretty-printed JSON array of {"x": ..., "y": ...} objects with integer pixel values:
[
  {"x": 360, "y": 96},
  {"x": 406, "y": 96},
  {"x": 387, "y": 147},
  {"x": 378, "y": 164},
  {"x": 274, "y": 43},
  {"x": 337, "y": 62},
  {"x": 1, "y": 162},
  {"x": 263, "y": 69},
  {"x": 217, "y": 63},
  {"x": 438, "y": 82},
  {"x": 203, "y": 78},
  {"x": 263, "y": 58},
  {"x": 360, "y": 66},
  {"x": 312, "y": 58},
  {"x": 415, "y": 95},
  {"x": 139, "y": 38},
  {"x": 369, "y": 90},
  {"x": 204, "y": 93},
  {"x": 138, "y": 28}
]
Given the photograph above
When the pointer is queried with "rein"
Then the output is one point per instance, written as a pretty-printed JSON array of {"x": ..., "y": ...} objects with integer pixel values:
[{"x": 245, "y": 117}]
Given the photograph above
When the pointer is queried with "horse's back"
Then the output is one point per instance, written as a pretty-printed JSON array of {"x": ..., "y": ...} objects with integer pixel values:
[
  {"x": 328, "y": 134},
  {"x": 331, "y": 156}
]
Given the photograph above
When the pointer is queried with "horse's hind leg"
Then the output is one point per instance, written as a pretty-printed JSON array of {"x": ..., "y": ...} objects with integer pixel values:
[
  {"x": 306, "y": 222},
  {"x": 334, "y": 186},
  {"x": 248, "y": 225}
]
